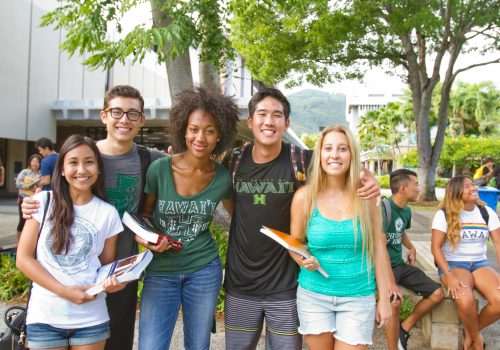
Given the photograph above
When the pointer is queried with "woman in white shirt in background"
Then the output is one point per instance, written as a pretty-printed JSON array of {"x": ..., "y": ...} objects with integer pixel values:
[{"x": 459, "y": 236}]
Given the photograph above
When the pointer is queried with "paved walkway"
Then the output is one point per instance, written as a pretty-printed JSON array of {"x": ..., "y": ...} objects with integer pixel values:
[{"x": 420, "y": 231}]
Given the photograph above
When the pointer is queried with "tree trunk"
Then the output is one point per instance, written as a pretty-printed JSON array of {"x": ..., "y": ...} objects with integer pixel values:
[
  {"x": 427, "y": 169},
  {"x": 179, "y": 72},
  {"x": 427, "y": 182},
  {"x": 209, "y": 76}
]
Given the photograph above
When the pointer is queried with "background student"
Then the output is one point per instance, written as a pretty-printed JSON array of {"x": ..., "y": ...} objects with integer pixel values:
[
  {"x": 460, "y": 230},
  {"x": 125, "y": 165},
  {"x": 78, "y": 236},
  {"x": 2, "y": 173},
  {"x": 46, "y": 149},
  {"x": 260, "y": 276},
  {"x": 343, "y": 234},
  {"x": 25, "y": 183},
  {"x": 182, "y": 193},
  {"x": 404, "y": 188}
]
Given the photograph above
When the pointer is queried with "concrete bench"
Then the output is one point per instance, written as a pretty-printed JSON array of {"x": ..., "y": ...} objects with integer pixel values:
[{"x": 441, "y": 328}]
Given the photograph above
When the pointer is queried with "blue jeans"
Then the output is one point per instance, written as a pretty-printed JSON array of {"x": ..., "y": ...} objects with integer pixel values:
[
  {"x": 470, "y": 266},
  {"x": 161, "y": 299},
  {"x": 41, "y": 335}
]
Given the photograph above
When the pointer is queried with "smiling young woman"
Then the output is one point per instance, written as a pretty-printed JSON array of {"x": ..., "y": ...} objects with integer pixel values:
[
  {"x": 460, "y": 230},
  {"x": 182, "y": 192},
  {"x": 344, "y": 237}
]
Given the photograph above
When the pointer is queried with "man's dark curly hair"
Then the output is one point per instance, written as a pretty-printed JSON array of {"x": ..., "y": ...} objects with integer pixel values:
[{"x": 221, "y": 107}]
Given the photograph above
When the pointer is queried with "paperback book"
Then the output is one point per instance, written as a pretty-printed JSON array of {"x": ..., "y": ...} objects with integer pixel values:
[
  {"x": 290, "y": 243},
  {"x": 125, "y": 270}
]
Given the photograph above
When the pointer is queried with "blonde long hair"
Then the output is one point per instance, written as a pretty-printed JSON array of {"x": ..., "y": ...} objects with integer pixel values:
[
  {"x": 316, "y": 183},
  {"x": 453, "y": 205}
]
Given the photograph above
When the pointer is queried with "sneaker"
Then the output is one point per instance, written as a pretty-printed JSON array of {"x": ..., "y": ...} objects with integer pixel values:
[{"x": 403, "y": 338}]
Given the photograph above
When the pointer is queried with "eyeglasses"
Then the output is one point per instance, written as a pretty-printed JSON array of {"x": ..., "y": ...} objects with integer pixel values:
[{"x": 117, "y": 113}]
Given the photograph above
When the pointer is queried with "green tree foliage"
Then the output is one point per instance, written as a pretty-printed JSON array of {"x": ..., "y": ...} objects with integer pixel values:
[
  {"x": 409, "y": 159},
  {"x": 310, "y": 140},
  {"x": 299, "y": 40},
  {"x": 374, "y": 135},
  {"x": 475, "y": 109},
  {"x": 467, "y": 152}
]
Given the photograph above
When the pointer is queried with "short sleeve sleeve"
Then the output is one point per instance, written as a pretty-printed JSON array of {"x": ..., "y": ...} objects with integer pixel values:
[
  {"x": 115, "y": 224},
  {"x": 41, "y": 197},
  {"x": 494, "y": 221},
  {"x": 439, "y": 222}
]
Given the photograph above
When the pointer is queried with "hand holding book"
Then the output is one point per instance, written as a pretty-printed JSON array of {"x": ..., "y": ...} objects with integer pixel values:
[
  {"x": 113, "y": 277},
  {"x": 309, "y": 262},
  {"x": 149, "y": 233}
]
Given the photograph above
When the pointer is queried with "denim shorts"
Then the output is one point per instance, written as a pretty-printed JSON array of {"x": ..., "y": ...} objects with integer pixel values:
[
  {"x": 470, "y": 266},
  {"x": 43, "y": 336},
  {"x": 350, "y": 319}
]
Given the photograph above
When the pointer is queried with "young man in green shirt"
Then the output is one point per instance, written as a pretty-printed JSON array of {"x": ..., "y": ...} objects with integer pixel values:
[{"x": 397, "y": 219}]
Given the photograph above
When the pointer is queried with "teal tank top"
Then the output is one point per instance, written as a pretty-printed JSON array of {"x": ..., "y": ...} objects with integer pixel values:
[{"x": 340, "y": 255}]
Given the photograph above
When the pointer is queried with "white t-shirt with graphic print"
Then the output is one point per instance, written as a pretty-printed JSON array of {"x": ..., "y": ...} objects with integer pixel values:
[
  {"x": 94, "y": 223},
  {"x": 474, "y": 233}
]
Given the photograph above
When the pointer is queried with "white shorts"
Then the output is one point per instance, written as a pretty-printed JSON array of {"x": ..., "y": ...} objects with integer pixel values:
[{"x": 350, "y": 319}]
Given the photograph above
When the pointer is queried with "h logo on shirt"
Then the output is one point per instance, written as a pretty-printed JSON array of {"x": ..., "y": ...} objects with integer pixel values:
[{"x": 259, "y": 199}]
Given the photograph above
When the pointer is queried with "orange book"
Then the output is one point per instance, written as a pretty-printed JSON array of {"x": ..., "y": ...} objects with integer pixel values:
[{"x": 290, "y": 243}]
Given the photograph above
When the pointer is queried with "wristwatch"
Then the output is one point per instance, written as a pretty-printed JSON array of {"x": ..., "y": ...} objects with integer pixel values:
[{"x": 447, "y": 271}]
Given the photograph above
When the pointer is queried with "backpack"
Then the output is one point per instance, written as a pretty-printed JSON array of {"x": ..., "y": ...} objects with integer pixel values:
[
  {"x": 387, "y": 213},
  {"x": 145, "y": 157},
  {"x": 298, "y": 168}
]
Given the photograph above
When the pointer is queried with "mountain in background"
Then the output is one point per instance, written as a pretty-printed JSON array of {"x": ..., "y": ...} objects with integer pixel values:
[{"x": 312, "y": 109}]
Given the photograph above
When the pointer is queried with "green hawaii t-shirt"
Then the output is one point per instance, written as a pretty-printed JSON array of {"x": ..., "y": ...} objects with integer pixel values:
[
  {"x": 400, "y": 221},
  {"x": 186, "y": 219}
]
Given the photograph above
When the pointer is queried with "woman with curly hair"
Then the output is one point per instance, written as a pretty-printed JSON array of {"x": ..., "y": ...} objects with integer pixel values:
[
  {"x": 460, "y": 230},
  {"x": 182, "y": 192}
]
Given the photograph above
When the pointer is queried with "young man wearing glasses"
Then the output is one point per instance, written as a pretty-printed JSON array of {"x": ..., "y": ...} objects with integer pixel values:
[
  {"x": 124, "y": 168},
  {"x": 125, "y": 165}
]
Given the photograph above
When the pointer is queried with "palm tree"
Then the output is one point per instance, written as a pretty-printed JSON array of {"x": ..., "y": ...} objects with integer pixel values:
[{"x": 373, "y": 134}]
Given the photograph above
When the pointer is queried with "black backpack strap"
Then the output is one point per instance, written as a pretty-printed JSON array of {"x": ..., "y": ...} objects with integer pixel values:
[
  {"x": 145, "y": 157},
  {"x": 235, "y": 160},
  {"x": 387, "y": 214},
  {"x": 484, "y": 214}
]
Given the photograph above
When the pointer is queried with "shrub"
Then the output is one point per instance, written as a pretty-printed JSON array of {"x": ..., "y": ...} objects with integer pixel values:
[
  {"x": 384, "y": 181},
  {"x": 441, "y": 182},
  {"x": 220, "y": 234},
  {"x": 14, "y": 283},
  {"x": 407, "y": 306},
  {"x": 409, "y": 159}
]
